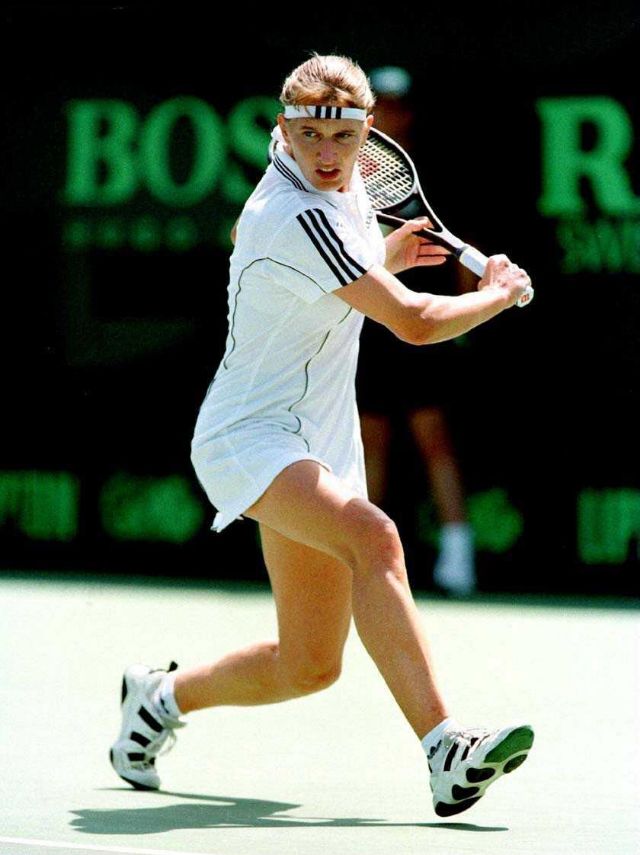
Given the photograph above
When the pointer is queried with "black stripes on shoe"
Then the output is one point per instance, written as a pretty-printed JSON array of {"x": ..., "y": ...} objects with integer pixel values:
[
  {"x": 330, "y": 246},
  {"x": 449, "y": 759},
  {"x": 464, "y": 792},
  {"x": 134, "y": 736},
  {"x": 149, "y": 720},
  {"x": 475, "y": 776},
  {"x": 444, "y": 809}
]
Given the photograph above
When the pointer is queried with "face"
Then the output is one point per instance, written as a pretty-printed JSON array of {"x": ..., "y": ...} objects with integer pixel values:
[{"x": 326, "y": 150}]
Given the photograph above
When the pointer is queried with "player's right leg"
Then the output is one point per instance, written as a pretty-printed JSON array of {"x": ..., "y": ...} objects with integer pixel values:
[{"x": 312, "y": 592}]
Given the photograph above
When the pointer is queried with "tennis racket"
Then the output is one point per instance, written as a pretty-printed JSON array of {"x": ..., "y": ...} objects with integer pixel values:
[{"x": 392, "y": 184}]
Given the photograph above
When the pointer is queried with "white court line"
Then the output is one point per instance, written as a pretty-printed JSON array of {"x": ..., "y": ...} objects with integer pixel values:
[{"x": 88, "y": 847}]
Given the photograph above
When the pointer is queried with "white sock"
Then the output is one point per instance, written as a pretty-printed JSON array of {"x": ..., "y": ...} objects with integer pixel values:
[
  {"x": 434, "y": 736},
  {"x": 455, "y": 566},
  {"x": 456, "y": 541},
  {"x": 164, "y": 698}
]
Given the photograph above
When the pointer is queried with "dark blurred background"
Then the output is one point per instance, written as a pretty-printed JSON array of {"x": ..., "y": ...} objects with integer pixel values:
[{"x": 131, "y": 137}]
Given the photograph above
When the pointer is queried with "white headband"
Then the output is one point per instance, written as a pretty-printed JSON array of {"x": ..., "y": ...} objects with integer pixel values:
[{"x": 322, "y": 112}]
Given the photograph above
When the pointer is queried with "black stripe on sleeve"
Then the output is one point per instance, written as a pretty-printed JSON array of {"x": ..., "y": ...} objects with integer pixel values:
[
  {"x": 347, "y": 261},
  {"x": 321, "y": 249},
  {"x": 326, "y": 238},
  {"x": 361, "y": 270}
]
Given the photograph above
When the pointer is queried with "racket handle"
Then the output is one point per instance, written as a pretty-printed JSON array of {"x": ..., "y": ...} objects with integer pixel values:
[
  {"x": 525, "y": 298},
  {"x": 475, "y": 261}
]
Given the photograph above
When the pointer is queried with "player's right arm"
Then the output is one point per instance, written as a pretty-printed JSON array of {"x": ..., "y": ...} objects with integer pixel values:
[{"x": 422, "y": 318}]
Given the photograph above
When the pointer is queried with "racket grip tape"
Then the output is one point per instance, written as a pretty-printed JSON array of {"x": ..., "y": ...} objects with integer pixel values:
[{"x": 475, "y": 261}]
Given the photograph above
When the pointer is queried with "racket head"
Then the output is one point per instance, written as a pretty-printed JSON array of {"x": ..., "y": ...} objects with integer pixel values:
[{"x": 390, "y": 177}]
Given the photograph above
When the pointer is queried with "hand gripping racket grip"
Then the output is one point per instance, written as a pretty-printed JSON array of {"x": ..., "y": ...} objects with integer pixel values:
[{"x": 475, "y": 261}]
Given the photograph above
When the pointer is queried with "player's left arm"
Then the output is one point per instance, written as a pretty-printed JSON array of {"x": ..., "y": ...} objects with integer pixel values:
[
  {"x": 406, "y": 249},
  {"x": 234, "y": 231}
]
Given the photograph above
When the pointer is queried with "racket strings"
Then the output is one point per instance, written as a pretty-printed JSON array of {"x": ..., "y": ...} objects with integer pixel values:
[{"x": 387, "y": 177}]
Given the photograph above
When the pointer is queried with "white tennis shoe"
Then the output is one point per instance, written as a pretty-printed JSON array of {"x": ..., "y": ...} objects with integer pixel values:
[
  {"x": 145, "y": 728},
  {"x": 465, "y": 762}
]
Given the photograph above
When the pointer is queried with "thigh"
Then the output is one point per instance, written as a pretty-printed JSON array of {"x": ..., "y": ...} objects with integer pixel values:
[
  {"x": 312, "y": 593},
  {"x": 308, "y": 504}
]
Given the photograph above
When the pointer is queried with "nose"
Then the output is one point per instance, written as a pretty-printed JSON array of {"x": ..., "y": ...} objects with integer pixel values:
[{"x": 327, "y": 152}]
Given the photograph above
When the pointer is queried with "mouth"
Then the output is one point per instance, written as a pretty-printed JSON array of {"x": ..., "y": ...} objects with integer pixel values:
[{"x": 327, "y": 174}]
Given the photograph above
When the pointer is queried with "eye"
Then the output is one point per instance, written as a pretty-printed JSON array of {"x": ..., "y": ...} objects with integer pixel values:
[{"x": 309, "y": 134}]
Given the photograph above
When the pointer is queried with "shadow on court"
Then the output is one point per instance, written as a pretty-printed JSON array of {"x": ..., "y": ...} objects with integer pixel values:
[{"x": 227, "y": 812}]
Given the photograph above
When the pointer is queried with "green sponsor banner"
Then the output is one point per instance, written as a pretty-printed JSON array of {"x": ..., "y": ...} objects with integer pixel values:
[
  {"x": 587, "y": 171},
  {"x": 40, "y": 505},
  {"x": 174, "y": 177},
  {"x": 143, "y": 508},
  {"x": 608, "y": 525}
]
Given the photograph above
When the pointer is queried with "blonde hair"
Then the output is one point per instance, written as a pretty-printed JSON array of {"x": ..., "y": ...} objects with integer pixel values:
[{"x": 335, "y": 80}]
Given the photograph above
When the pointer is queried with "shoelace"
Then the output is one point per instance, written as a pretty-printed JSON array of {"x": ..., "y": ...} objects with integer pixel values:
[
  {"x": 472, "y": 733},
  {"x": 470, "y": 738}
]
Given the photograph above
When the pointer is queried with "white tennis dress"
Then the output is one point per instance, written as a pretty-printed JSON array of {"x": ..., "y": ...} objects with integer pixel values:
[{"x": 285, "y": 388}]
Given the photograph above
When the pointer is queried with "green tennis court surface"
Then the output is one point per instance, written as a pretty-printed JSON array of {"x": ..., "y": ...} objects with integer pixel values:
[{"x": 338, "y": 773}]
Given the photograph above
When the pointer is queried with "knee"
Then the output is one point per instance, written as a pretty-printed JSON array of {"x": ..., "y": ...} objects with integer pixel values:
[
  {"x": 313, "y": 676},
  {"x": 376, "y": 543}
]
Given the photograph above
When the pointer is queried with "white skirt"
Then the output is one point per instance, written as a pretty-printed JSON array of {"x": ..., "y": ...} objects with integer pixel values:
[{"x": 236, "y": 467}]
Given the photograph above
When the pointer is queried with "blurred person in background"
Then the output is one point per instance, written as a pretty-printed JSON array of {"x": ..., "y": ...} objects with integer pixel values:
[{"x": 396, "y": 384}]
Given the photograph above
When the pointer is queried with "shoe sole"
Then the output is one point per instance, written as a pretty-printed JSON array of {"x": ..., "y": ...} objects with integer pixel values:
[
  {"x": 135, "y": 784},
  {"x": 511, "y": 752},
  {"x": 520, "y": 739}
]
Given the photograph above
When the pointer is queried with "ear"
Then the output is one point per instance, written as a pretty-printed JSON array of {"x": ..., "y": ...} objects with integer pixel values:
[
  {"x": 365, "y": 131},
  {"x": 282, "y": 124}
]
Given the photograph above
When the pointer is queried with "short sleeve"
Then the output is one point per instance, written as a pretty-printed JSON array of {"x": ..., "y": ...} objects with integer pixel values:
[{"x": 317, "y": 253}]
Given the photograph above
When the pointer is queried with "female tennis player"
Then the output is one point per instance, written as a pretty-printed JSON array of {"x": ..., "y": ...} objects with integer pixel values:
[{"x": 277, "y": 440}]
